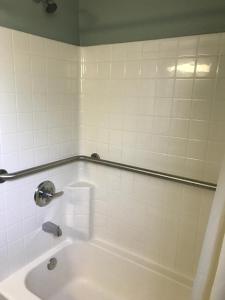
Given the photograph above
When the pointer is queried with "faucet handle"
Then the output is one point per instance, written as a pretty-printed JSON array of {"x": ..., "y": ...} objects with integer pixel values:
[
  {"x": 50, "y": 195},
  {"x": 45, "y": 192}
]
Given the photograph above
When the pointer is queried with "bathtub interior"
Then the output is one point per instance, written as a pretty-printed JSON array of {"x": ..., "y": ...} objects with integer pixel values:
[{"x": 87, "y": 271}]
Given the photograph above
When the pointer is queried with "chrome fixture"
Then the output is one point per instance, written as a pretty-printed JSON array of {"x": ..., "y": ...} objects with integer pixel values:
[
  {"x": 95, "y": 156},
  {"x": 5, "y": 176},
  {"x": 49, "y": 5},
  {"x": 52, "y": 263},
  {"x": 45, "y": 193},
  {"x": 50, "y": 227}
]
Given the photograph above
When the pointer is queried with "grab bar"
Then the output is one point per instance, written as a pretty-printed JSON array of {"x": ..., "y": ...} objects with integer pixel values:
[{"x": 95, "y": 158}]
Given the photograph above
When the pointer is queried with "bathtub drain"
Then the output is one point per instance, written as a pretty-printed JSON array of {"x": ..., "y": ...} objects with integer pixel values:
[{"x": 52, "y": 263}]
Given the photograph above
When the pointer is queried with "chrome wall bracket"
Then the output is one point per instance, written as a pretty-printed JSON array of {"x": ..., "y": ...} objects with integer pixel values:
[
  {"x": 95, "y": 156},
  {"x": 45, "y": 193},
  {"x": 2, "y": 172}
]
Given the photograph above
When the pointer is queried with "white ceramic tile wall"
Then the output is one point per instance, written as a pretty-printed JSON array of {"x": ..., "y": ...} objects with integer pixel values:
[
  {"x": 159, "y": 105},
  {"x": 161, "y": 221},
  {"x": 38, "y": 123}
]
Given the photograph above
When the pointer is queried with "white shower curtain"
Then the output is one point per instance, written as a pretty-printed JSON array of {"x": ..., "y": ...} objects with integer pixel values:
[
  {"x": 209, "y": 283},
  {"x": 218, "y": 289}
]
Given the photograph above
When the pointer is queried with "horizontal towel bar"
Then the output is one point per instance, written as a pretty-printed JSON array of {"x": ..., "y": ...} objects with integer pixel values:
[{"x": 94, "y": 158}]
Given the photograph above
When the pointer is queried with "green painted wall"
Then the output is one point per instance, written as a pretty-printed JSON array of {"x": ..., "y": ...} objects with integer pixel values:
[
  {"x": 111, "y": 21},
  {"x": 28, "y": 16}
]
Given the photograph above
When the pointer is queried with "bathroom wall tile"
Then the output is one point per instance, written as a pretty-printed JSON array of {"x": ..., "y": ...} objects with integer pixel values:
[
  {"x": 149, "y": 68},
  {"x": 183, "y": 88},
  {"x": 168, "y": 47},
  {"x": 103, "y": 52},
  {"x": 23, "y": 83},
  {"x": 8, "y": 123},
  {"x": 132, "y": 69},
  {"x": 51, "y": 47},
  {"x": 14, "y": 231},
  {"x": 6, "y": 38},
  {"x": 117, "y": 70},
  {"x": 220, "y": 89},
  {"x": 138, "y": 106},
  {"x": 38, "y": 65},
  {"x": 24, "y": 103},
  {"x": 177, "y": 146},
  {"x": 199, "y": 129},
  {"x": 147, "y": 88},
  {"x": 8, "y": 103},
  {"x": 221, "y": 67},
  {"x": 87, "y": 56},
  {"x": 216, "y": 130},
  {"x": 37, "y": 45},
  {"x": 215, "y": 151},
  {"x": 164, "y": 87},
  {"x": 3, "y": 238},
  {"x": 185, "y": 67},
  {"x": 41, "y": 155},
  {"x": 25, "y": 121},
  {"x": 68, "y": 52},
  {"x": 39, "y": 85},
  {"x": 103, "y": 70},
  {"x": 118, "y": 52},
  {"x": 160, "y": 125},
  {"x": 24, "y": 91},
  {"x": 200, "y": 110},
  {"x": 165, "y": 118},
  {"x": 163, "y": 107},
  {"x": 7, "y": 83},
  {"x": 209, "y": 44},
  {"x": 21, "y": 41},
  {"x": 179, "y": 128},
  {"x": 203, "y": 88},
  {"x": 22, "y": 63},
  {"x": 197, "y": 149},
  {"x": 133, "y": 50},
  {"x": 6, "y": 64},
  {"x": 184, "y": 245},
  {"x": 206, "y": 66},
  {"x": 187, "y": 46},
  {"x": 218, "y": 109},
  {"x": 26, "y": 140},
  {"x": 166, "y": 67},
  {"x": 181, "y": 108},
  {"x": 159, "y": 144},
  {"x": 150, "y": 49}
]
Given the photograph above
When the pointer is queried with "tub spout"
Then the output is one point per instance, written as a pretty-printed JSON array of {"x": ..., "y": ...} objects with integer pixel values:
[{"x": 52, "y": 228}]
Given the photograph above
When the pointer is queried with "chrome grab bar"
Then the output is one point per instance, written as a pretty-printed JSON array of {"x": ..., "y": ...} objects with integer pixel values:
[{"x": 95, "y": 158}]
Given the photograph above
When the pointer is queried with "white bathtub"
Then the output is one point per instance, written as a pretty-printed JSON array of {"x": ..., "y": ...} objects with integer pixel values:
[{"x": 90, "y": 271}]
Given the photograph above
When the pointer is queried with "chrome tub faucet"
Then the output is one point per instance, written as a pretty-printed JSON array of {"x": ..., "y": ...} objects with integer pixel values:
[{"x": 52, "y": 228}]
